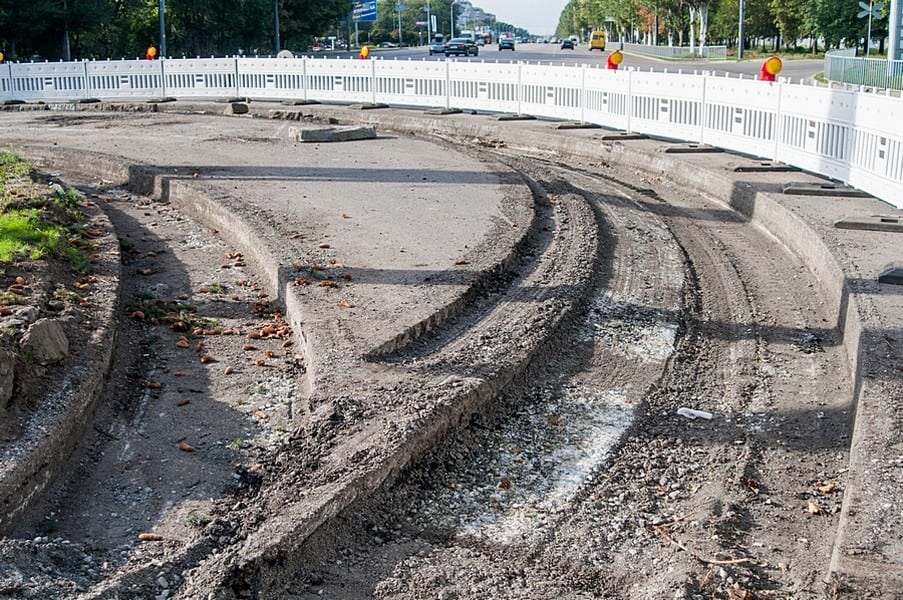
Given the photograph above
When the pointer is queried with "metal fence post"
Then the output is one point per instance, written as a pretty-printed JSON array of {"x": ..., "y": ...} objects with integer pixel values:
[
  {"x": 373, "y": 81},
  {"x": 237, "y": 85},
  {"x": 702, "y": 110},
  {"x": 87, "y": 80},
  {"x": 163, "y": 78},
  {"x": 629, "y": 100},
  {"x": 778, "y": 123},
  {"x": 583, "y": 94},
  {"x": 520, "y": 87},
  {"x": 304, "y": 78},
  {"x": 447, "y": 85}
]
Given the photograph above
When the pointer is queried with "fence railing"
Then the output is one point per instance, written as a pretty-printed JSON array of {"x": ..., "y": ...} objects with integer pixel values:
[
  {"x": 854, "y": 137},
  {"x": 677, "y": 52},
  {"x": 845, "y": 67}
]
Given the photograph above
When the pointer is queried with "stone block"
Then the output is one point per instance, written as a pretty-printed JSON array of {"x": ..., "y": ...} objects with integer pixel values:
[{"x": 45, "y": 341}]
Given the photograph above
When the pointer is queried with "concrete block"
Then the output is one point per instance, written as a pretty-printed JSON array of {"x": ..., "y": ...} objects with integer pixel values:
[
  {"x": 338, "y": 134},
  {"x": 765, "y": 167},
  {"x": 823, "y": 189},
  {"x": 236, "y": 108},
  {"x": 872, "y": 223},
  {"x": 442, "y": 111},
  {"x": 368, "y": 106},
  {"x": 513, "y": 117},
  {"x": 892, "y": 274},
  {"x": 620, "y": 136},
  {"x": 576, "y": 125},
  {"x": 691, "y": 149}
]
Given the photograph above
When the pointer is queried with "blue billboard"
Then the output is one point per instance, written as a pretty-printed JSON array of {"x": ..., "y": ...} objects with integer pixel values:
[{"x": 365, "y": 11}]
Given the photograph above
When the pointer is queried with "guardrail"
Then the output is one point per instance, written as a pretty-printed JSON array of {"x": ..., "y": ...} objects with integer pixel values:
[
  {"x": 677, "y": 52},
  {"x": 845, "y": 67},
  {"x": 853, "y": 137}
]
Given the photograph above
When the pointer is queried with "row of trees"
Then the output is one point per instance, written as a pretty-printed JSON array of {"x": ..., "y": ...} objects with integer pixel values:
[
  {"x": 116, "y": 28},
  {"x": 686, "y": 22}
]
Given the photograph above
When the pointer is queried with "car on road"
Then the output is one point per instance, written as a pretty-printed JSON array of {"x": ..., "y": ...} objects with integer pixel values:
[
  {"x": 567, "y": 44},
  {"x": 437, "y": 47},
  {"x": 459, "y": 46},
  {"x": 506, "y": 43},
  {"x": 481, "y": 41}
]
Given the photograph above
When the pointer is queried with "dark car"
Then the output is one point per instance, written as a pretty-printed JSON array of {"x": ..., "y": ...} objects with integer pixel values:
[
  {"x": 461, "y": 46},
  {"x": 437, "y": 48},
  {"x": 567, "y": 44},
  {"x": 506, "y": 43}
]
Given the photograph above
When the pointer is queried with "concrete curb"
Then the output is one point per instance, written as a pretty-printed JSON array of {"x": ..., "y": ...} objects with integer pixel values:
[
  {"x": 852, "y": 568},
  {"x": 29, "y": 465}
]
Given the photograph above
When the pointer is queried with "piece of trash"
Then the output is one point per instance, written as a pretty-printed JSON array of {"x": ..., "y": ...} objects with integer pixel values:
[{"x": 691, "y": 413}]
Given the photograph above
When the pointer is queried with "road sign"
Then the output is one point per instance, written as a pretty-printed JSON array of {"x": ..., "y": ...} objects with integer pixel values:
[
  {"x": 365, "y": 11},
  {"x": 872, "y": 10}
]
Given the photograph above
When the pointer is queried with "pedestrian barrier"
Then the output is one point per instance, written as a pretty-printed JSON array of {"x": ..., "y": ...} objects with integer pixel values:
[
  {"x": 852, "y": 136},
  {"x": 844, "y": 66},
  {"x": 677, "y": 52}
]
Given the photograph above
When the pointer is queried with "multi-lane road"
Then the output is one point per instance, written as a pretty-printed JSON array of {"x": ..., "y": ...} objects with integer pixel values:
[{"x": 793, "y": 69}]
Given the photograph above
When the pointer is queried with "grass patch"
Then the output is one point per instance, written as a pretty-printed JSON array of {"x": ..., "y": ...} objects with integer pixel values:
[{"x": 39, "y": 220}]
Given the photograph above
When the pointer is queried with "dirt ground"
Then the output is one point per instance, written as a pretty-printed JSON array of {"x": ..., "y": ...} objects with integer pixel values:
[{"x": 579, "y": 479}]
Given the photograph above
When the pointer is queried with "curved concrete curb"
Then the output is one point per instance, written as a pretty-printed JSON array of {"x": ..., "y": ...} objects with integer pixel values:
[
  {"x": 867, "y": 555},
  {"x": 30, "y": 464}
]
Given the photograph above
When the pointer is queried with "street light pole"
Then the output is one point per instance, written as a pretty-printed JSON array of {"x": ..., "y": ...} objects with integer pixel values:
[
  {"x": 451, "y": 17},
  {"x": 740, "y": 34},
  {"x": 276, "y": 24},
  {"x": 162, "y": 28}
]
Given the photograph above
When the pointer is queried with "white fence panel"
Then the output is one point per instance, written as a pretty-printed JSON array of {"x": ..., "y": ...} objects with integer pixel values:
[
  {"x": 48, "y": 81},
  {"x": 340, "y": 80},
  {"x": 607, "y": 98},
  {"x": 851, "y": 136},
  {"x": 200, "y": 77},
  {"x": 816, "y": 129},
  {"x": 484, "y": 86},
  {"x": 125, "y": 78},
  {"x": 272, "y": 78},
  {"x": 548, "y": 91},
  {"x": 411, "y": 83},
  {"x": 741, "y": 114},
  {"x": 666, "y": 104},
  {"x": 876, "y": 147}
]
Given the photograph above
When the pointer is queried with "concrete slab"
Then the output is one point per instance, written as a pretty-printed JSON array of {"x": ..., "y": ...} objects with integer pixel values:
[
  {"x": 332, "y": 134},
  {"x": 893, "y": 223},
  {"x": 831, "y": 190},
  {"x": 766, "y": 167},
  {"x": 576, "y": 125},
  {"x": 691, "y": 149},
  {"x": 893, "y": 274}
]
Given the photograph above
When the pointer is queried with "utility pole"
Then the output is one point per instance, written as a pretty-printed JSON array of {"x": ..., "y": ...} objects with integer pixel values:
[{"x": 740, "y": 33}]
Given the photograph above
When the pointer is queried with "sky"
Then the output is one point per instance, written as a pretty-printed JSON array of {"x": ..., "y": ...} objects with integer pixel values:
[{"x": 536, "y": 16}]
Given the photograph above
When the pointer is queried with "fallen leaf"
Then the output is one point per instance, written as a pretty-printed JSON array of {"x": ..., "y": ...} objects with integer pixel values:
[
  {"x": 827, "y": 488},
  {"x": 254, "y": 336},
  {"x": 145, "y": 271},
  {"x": 814, "y": 508},
  {"x": 462, "y": 261},
  {"x": 206, "y": 359},
  {"x": 20, "y": 280},
  {"x": 270, "y": 354},
  {"x": 185, "y": 447},
  {"x": 249, "y": 348},
  {"x": 183, "y": 343},
  {"x": 260, "y": 362},
  {"x": 344, "y": 216},
  {"x": 182, "y": 401},
  {"x": 346, "y": 304},
  {"x": 259, "y": 414},
  {"x": 138, "y": 315},
  {"x": 329, "y": 284},
  {"x": 229, "y": 370},
  {"x": 287, "y": 343},
  {"x": 150, "y": 537},
  {"x": 323, "y": 246}
]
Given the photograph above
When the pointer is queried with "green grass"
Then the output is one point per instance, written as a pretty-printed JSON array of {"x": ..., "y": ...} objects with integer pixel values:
[{"x": 37, "y": 220}]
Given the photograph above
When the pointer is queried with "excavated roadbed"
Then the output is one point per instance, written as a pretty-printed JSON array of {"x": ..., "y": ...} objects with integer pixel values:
[{"x": 376, "y": 300}]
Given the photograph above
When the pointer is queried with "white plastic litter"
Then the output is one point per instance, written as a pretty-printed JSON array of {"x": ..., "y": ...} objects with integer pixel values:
[{"x": 691, "y": 413}]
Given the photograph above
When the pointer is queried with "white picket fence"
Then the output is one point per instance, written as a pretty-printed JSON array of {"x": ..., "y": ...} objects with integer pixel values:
[{"x": 853, "y": 137}]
